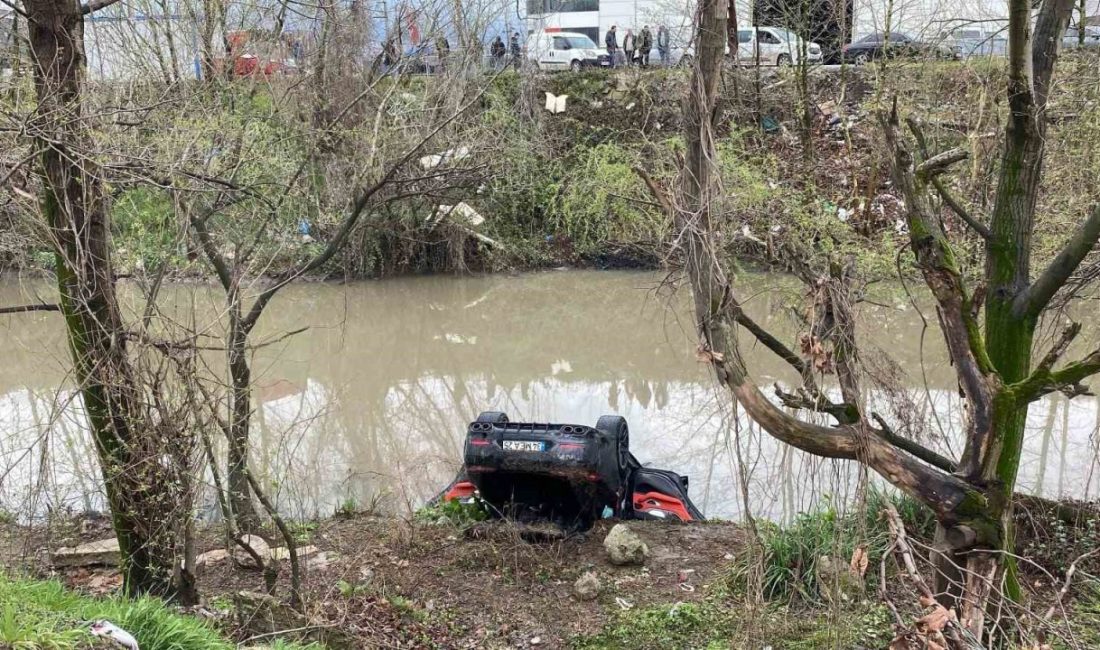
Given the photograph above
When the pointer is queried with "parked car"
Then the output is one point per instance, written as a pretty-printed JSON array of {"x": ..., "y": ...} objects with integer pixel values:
[
  {"x": 892, "y": 44},
  {"x": 1071, "y": 38},
  {"x": 969, "y": 42},
  {"x": 773, "y": 46},
  {"x": 564, "y": 51}
]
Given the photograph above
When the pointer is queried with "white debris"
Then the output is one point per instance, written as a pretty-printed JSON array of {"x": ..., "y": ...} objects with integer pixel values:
[
  {"x": 460, "y": 212},
  {"x": 560, "y": 366},
  {"x": 843, "y": 214},
  {"x": 434, "y": 160},
  {"x": 115, "y": 634},
  {"x": 555, "y": 103}
]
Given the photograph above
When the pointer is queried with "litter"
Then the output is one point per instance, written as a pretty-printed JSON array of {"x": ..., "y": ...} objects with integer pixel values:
[
  {"x": 555, "y": 103},
  {"x": 115, "y": 634},
  {"x": 434, "y": 160}
]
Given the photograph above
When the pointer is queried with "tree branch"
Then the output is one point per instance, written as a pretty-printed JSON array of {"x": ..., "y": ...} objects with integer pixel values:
[
  {"x": 978, "y": 227},
  {"x": 915, "y": 127},
  {"x": 96, "y": 5},
  {"x": 22, "y": 309},
  {"x": 915, "y": 448},
  {"x": 1067, "y": 380},
  {"x": 1032, "y": 301},
  {"x": 939, "y": 163}
]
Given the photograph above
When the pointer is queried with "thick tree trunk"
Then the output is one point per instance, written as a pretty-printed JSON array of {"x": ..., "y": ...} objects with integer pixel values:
[{"x": 76, "y": 210}]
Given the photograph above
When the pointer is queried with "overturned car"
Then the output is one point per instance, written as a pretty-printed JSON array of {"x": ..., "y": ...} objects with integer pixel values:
[{"x": 568, "y": 474}]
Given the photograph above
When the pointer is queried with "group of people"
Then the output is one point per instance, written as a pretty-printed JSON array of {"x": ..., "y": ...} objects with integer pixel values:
[
  {"x": 497, "y": 51},
  {"x": 636, "y": 47}
]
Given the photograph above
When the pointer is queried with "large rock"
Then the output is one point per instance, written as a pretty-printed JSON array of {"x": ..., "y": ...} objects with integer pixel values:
[
  {"x": 624, "y": 547},
  {"x": 282, "y": 553},
  {"x": 587, "y": 587},
  {"x": 99, "y": 553},
  {"x": 258, "y": 544}
]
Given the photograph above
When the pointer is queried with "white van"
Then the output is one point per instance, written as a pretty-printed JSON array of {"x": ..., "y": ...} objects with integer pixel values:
[
  {"x": 552, "y": 50},
  {"x": 773, "y": 46}
]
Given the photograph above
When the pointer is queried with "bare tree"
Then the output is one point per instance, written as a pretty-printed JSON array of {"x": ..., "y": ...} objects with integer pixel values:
[{"x": 999, "y": 378}]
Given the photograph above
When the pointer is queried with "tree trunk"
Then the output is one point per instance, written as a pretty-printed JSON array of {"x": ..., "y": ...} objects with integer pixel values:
[
  {"x": 240, "y": 495},
  {"x": 75, "y": 207}
]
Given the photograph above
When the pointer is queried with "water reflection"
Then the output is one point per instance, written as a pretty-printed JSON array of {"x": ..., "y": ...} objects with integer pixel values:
[{"x": 371, "y": 403}]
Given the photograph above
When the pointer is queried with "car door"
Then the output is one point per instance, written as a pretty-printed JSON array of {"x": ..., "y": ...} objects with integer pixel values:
[
  {"x": 771, "y": 47},
  {"x": 746, "y": 46},
  {"x": 560, "y": 53}
]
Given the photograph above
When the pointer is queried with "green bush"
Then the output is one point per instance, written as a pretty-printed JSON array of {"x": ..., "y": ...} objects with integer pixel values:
[{"x": 603, "y": 201}]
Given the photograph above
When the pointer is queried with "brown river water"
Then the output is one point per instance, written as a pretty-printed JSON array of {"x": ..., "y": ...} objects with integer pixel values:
[{"x": 370, "y": 403}]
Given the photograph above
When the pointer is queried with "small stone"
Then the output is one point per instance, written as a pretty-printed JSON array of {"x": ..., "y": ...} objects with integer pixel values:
[
  {"x": 587, "y": 587},
  {"x": 624, "y": 547},
  {"x": 536, "y": 640},
  {"x": 258, "y": 544}
]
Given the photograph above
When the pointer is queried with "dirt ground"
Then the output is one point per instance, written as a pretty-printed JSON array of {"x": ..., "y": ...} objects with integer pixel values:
[{"x": 379, "y": 582}]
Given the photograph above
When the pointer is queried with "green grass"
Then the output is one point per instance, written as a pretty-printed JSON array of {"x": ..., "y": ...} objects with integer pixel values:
[
  {"x": 793, "y": 555},
  {"x": 43, "y": 615},
  {"x": 721, "y": 623}
]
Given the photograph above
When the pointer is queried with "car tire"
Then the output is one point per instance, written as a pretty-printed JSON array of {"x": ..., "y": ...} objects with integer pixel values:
[
  {"x": 575, "y": 66},
  {"x": 493, "y": 417},
  {"x": 615, "y": 427},
  {"x": 783, "y": 60},
  {"x": 861, "y": 59}
]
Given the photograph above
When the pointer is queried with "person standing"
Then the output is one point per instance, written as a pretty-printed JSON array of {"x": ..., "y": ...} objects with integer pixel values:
[
  {"x": 629, "y": 43},
  {"x": 496, "y": 51},
  {"x": 645, "y": 44},
  {"x": 611, "y": 41},
  {"x": 663, "y": 43},
  {"x": 516, "y": 51},
  {"x": 443, "y": 51}
]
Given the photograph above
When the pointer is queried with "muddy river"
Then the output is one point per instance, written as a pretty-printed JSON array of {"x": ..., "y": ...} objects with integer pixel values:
[{"x": 371, "y": 402}]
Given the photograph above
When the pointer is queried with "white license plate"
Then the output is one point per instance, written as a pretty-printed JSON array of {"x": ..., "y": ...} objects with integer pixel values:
[{"x": 522, "y": 445}]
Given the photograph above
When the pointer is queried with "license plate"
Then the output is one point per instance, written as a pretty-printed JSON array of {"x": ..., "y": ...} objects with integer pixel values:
[{"x": 522, "y": 445}]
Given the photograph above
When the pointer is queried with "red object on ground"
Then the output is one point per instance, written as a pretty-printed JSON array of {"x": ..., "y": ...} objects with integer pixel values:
[
  {"x": 460, "y": 490},
  {"x": 657, "y": 501}
]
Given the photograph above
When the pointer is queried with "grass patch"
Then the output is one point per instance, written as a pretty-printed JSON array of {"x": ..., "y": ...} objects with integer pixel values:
[
  {"x": 43, "y": 615},
  {"x": 717, "y": 624},
  {"x": 809, "y": 558}
]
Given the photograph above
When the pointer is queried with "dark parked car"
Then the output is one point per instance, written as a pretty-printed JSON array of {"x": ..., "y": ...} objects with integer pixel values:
[{"x": 892, "y": 44}]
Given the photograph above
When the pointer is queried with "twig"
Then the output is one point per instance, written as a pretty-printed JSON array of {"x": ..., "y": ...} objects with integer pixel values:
[
  {"x": 22, "y": 309},
  {"x": 1059, "y": 348},
  {"x": 1065, "y": 584}
]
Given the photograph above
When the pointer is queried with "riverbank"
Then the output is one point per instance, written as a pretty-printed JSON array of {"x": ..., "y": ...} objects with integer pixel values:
[
  {"x": 555, "y": 190},
  {"x": 439, "y": 580}
]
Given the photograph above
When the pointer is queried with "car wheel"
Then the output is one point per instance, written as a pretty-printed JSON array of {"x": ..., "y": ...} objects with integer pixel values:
[
  {"x": 783, "y": 60},
  {"x": 614, "y": 426},
  {"x": 862, "y": 59},
  {"x": 575, "y": 66},
  {"x": 493, "y": 417}
]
